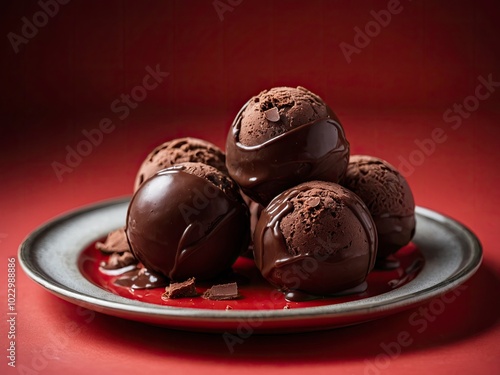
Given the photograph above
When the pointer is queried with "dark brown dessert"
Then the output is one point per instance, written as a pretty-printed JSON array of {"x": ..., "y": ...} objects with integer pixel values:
[
  {"x": 222, "y": 292},
  {"x": 119, "y": 260},
  {"x": 188, "y": 221},
  {"x": 194, "y": 209},
  {"x": 116, "y": 242},
  {"x": 282, "y": 137},
  {"x": 179, "y": 151},
  {"x": 316, "y": 238},
  {"x": 388, "y": 197},
  {"x": 183, "y": 289}
]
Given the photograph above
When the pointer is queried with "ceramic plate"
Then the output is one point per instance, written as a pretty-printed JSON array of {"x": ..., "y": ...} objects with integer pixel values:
[{"x": 60, "y": 256}]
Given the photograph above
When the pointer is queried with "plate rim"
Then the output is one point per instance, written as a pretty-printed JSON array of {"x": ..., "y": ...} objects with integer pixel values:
[{"x": 148, "y": 310}]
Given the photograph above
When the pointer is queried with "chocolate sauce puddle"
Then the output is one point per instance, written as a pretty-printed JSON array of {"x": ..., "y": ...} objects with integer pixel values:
[
  {"x": 408, "y": 274},
  {"x": 142, "y": 278},
  {"x": 387, "y": 264},
  {"x": 299, "y": 296}
]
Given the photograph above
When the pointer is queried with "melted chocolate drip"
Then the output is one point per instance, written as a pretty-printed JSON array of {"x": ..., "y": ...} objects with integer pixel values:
[{"x": 408, "y": 274}]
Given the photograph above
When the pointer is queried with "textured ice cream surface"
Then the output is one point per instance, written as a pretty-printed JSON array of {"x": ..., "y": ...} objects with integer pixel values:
[
  {"x": 214, "y": 175},
  {"x": 179, "y": 151},
  {"x": 317, "y": 238},
  {"x": 318, "y": 213},
  {"x": 188, "y": 221},
  {"x": 388, "y": 197},
  {"x": 275, "y": 111}
]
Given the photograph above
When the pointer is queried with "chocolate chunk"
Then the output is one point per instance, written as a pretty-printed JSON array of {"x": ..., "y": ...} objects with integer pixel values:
[
  {"x": 180, "y": 290},
  {"x": 313, "y": 202},
  {"x": 222, "y": 292},
  {"x": 116, "y": 242},
  {"x": 272, "y": 114},
  {"x": 119, "y": 260}
]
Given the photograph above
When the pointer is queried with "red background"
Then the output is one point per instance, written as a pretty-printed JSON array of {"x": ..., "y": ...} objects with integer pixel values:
[{"x": 392, "y": 95}]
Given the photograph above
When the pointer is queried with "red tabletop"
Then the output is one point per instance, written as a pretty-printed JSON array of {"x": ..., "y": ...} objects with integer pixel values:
[{"x": 422, "y": 93}]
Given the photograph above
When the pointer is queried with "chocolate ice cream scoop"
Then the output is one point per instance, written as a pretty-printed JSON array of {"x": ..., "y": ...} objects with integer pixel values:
[
  {"x": 179, "y": 151},
  {"x": 388, "y": 196},
  {"x": 282, "y": 137},
  {"x": 186, "y": 221},
  {"x": 316, "y": 238}
]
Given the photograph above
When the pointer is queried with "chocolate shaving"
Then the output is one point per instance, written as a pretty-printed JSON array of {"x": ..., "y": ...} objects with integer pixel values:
[
  {"x": 222, "y": 292},
  {"x": 180, "y": 290},
  {"x": 313, "y": 202},
  {"x": 272, "y": 114},
  {"x": 116, "y": 242},
  {"x": 119, "y": 260}
]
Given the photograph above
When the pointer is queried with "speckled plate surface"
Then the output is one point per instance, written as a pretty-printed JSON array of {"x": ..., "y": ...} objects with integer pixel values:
[{"x": 51, "y": 256}]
